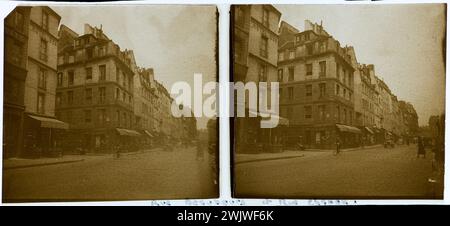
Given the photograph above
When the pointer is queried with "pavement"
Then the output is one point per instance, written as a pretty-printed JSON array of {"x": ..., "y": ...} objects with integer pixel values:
[
  {"x": 255, "y": 157},
  {"x": 147, "y": 175},
  {"x": 16, "y": 163},
  {"x": 374, "y": 173}
]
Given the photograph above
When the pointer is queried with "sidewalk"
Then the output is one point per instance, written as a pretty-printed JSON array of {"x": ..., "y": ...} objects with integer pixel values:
[
  {"x": 348, "y": 149},
  {"x": 17, "y": 163},
  {"x": 243, "y": 158}
]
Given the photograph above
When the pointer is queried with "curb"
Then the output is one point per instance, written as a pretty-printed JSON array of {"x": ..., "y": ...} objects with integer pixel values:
[
  {"x": 268, "y": 159},
  {"x": 41, "y": 164}
]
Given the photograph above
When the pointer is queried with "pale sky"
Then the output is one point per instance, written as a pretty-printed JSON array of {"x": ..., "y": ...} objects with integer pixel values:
[
  {"x": 176, "y": 41},
  {"x": 404, "y": 42}
]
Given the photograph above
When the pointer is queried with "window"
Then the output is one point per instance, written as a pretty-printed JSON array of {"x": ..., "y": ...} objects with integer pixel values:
[
  {"x": 263, "y": 46},
  {"x": 291, "y": 54},
  {"x": 19, "y": 21},
  {"x": 338, "y": 72},
  {"x": 124, "y": 96},
  {"x": 45, "y": 20},
  {"x": 309, "y": 49},
  {"x": 323, "y": 46},
  {"x": 16, "y": 53},
  {"x": 102, "y": 94},
  {"x": 309, "y": 70},
  {"x": 117, "y": 74},
  {"x": 345, "y": 77},
  {"x": 322, "y": 89},
  {"x": 262, "y": 73},
  {"x": 265, "y": 17},
  {"x": 308, "y": 90},
  {"x": 124, "y": 80},
  {"x": 323, "y": 68},
  {"x": 308, "y": 112},
  {"x": 88, "y": 74},
  {"x": 89, "y": 52},
  {"x": 118, "y": 118},
  {"x": 101, "y": 116},
  {"x": 69, "y": 97},
  {"x": 307, "y": 36},
  {"x": 338, "y": 113},
  {"x": 71, "y": 77},
  {"x": 280, "y": 75},
  {"x": 101, "y": 51},
  {"x": 58, "y": 99},
  {"x": 280, "y": 56},
  {"x": 238, "y": 50},
  {"x": 117, "y": 93},
  {"x": 239, "y": 15},
  {"x": 102, "y": 71},
  {"x": 290, "y": 93},
  {"x": 87, "y": 116},
  {"x": 345, "y": 115},
  {"x": 344, "y": 74},
  {"x": 338, "y": 90},
  {"x": 322, "y": 112},
  {"x": 291, "y": 74},
  {"x": 41, "y": 103},
  {"x": 60, "y": 79},
  {"x": 42, "y": 80},
  {"x": 88, "y": 95},
  {"x": 344, "y": 93},
  {"x": 43, "y": 50}
]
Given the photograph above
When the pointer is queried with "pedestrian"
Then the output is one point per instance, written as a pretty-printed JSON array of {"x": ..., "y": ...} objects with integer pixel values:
[
  {"x": 338, "y": 145},
  {"x": 420, "y": 147}
]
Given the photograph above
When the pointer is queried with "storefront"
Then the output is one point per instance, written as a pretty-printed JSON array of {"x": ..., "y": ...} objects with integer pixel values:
[
  {"x": 349, "y": 136},
  {"x": 147, "y": 141},
  {"x": 42, "y": 136},
  {"x": 367, "y": 136},
  {"x": 128, "y": 140}
]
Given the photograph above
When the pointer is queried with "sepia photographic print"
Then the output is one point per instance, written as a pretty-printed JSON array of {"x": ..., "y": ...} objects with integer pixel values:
[
  {"x": 88, "y": 111},
  {"x": 359, "y": 108}
]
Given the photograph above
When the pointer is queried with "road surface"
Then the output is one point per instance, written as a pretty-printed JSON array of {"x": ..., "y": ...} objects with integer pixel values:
[
  {"x": 369, "y": 173},
  {"x": 149, "y": 175}
]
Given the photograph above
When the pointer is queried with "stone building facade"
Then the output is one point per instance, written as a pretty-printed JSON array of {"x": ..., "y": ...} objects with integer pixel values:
[
  {"x": 316, "y": 78},
  {"x": 255, "y": 44},
  {"x": 95, "y": 91}
]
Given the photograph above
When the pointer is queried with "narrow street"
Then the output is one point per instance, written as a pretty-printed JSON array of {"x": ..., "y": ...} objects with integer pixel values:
[
  {"x": 370, "y": 173},
  {"x": 149, "y": 175}
]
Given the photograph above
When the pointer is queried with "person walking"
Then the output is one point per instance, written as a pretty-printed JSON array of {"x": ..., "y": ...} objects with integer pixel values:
[
  {"x": 420, "y": 147},
  {"x": 338, "y": 146}
]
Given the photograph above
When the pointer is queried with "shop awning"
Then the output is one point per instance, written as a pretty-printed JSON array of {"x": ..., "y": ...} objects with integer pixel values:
[
  {"x": 376, "y": 130},
  {"x": 388, "y": 133},
  {"x": 148, "y": 133},
  {"x": 350, "y": 129},
  {"x": 128, "y": 132},
  {"x": 369, "y": 130},
  {"x": 281, "y": 121},
  {"x": 50, "y": 122}
]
